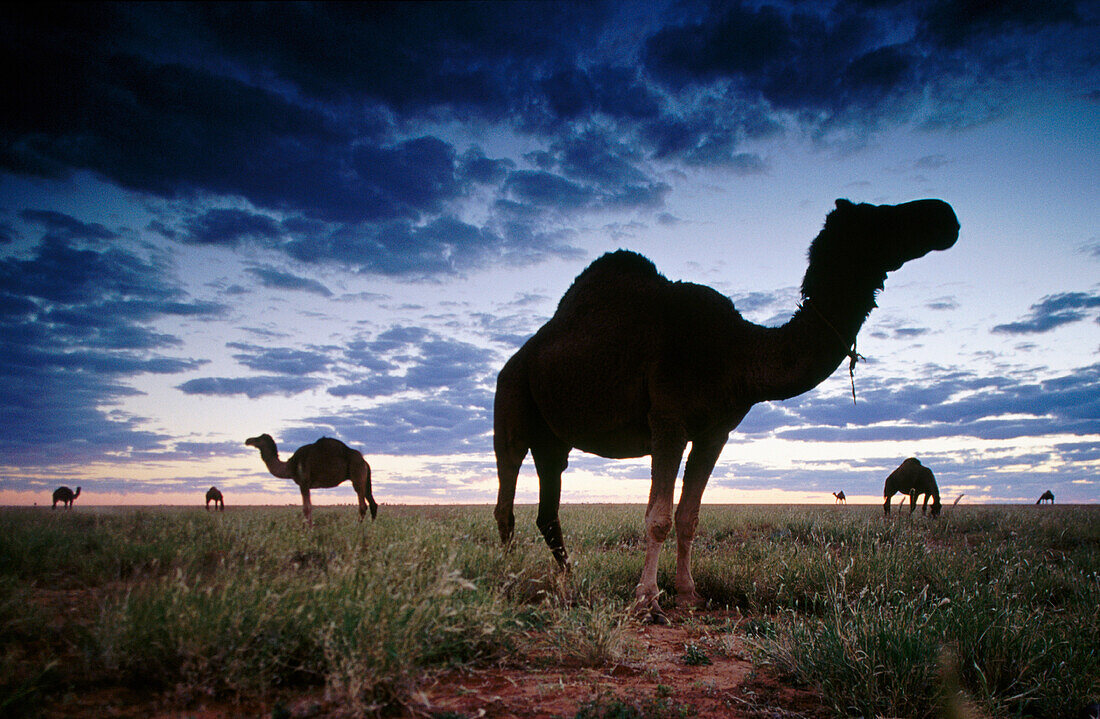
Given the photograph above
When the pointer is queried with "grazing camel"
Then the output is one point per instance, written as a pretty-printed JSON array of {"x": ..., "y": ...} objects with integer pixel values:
[
  {"x": 840, "y": 498},
  {"x": 1046, "y": 496},
  {"x": 912, "y": 479},
  {"x": 323, "y": 464},
  {"x": 632, "y": 364},
  {"x": 214, "y": 495},
  {"x": 65, "y": 496}
]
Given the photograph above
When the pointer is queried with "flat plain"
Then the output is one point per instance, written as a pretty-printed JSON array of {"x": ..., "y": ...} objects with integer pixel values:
[{"x": 814, "y": 611}]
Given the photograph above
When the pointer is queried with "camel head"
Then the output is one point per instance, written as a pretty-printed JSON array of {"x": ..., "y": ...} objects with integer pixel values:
[
  {"x": 861, "y": 243},
  {"x": 77, "y": 493},
  {"x": 263, "y": 443}
]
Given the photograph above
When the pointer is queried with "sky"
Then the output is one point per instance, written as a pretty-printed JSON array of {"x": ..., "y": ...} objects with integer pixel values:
[{"x": 219, "y": 220}]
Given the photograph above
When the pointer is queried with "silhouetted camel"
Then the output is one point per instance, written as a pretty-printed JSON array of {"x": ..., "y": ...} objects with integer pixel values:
[
  {"x": 840, "y": 498},
  {"x": 215, "y": 496},
  {"x": 912, "y": 478},
  {"x": 632, "y": 364},
  {"x": 1046, "y": 496},
  {"x": 957, "y": 500},
  {"x": 65, "y": 496},
  {"x": 323, "y": 464}
]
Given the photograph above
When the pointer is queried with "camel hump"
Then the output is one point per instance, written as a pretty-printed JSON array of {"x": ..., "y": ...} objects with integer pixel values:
[
  {"x": 607, "y": 271},
  {"x": 621, "y": 262}
]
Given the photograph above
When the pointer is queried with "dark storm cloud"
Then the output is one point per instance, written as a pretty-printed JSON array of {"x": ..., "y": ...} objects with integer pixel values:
[
  {"x": 309, "y": 112},
  {"x": 1052, "y": 312},
  {"x": 8, "y": 233},
  {"x": 795, "y": 60},
  {"x": 76, "y": 323},
  {"x": 60, "y": 225},
  {"x": 957, "y": 22},
  {"x": 858, "y": 67},
  {"x": 222, "y": 226}
]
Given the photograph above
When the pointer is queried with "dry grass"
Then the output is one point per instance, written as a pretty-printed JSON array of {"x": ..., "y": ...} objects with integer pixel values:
[{"x": 247, "y": 603}]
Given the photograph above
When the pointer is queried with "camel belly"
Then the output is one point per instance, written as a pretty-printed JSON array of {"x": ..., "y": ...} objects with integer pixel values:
[
  {"x": 614, "y": 445},
  {"x": 609, "y": 420}
]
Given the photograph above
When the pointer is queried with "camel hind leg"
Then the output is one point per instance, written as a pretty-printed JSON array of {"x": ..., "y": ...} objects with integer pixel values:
[{"x": 360, "y": 479}]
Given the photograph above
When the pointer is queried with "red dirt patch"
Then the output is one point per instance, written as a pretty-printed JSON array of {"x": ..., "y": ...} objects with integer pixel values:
[{"x": 656, "y": 680}]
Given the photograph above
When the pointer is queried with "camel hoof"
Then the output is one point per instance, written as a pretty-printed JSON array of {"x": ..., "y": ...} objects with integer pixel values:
[{"x": 692, "y": 600}]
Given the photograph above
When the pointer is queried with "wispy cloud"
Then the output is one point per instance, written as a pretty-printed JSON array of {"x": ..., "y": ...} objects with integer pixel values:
[
  {"x": 77, "y": 324},
  {"x": 1053, "y": 312}
]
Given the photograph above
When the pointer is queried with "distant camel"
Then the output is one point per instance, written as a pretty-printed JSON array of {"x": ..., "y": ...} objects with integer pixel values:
[
  {"x": 840, "y": 498},
  {"x": 957, "y": 500},
  {"x": 632, "y": 364},
  {"x": 323, "y": 464},
  {"x": 913, "y": 479},
  {"x": 65, "y": 496},
  {"x": 1046, "y": 496},
  {"x": 215, "y": 496}
]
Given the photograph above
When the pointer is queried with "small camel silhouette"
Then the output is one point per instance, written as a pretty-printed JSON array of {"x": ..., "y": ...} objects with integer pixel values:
[
  {"x": 65, "y": 496},
  {"x": 957, "y": 500},
  {"x": 214, "y": 495},
  {"x": 632, "y": 364},
  {"x": 1046, "y": 496},
  {"x": 913, "y": 479},
  {"x": 840, "y": 498},
  {"x": 323, "y": 464}
]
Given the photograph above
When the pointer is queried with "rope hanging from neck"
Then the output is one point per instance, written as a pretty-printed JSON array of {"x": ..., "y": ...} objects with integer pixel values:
[{"x": 849, "y": 350}]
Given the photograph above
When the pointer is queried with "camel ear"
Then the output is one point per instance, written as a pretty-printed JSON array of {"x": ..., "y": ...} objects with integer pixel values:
[{"x": 842, "y": 204}]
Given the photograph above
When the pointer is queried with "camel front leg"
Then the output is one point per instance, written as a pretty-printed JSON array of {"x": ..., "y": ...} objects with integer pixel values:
[
  {"x": 307, "y": 508},
  {"x": 508, "y": 464},
  {"x": 700, "y": 463},
  {"x": 551, "y": 459},
  {"x": 658, "y": 522}
]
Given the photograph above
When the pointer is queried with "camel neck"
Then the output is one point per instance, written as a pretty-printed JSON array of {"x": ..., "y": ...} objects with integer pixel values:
[
  {"x": 802, "y": 354},
  {"x": 276, "y": 466}
]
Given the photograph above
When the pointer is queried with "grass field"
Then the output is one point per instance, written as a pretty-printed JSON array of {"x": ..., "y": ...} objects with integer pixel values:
[{"x": 876, "y": 618}]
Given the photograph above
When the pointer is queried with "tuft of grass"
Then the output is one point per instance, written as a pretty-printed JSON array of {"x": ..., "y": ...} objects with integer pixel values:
[
  {"x": 660, "y": 706},
  {"x": 694, "y": 656},
  {"x": 1022, "y": 629}
]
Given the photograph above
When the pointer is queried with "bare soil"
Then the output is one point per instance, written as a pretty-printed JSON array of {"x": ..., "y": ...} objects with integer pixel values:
[{"x": 659, "y": 679}]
